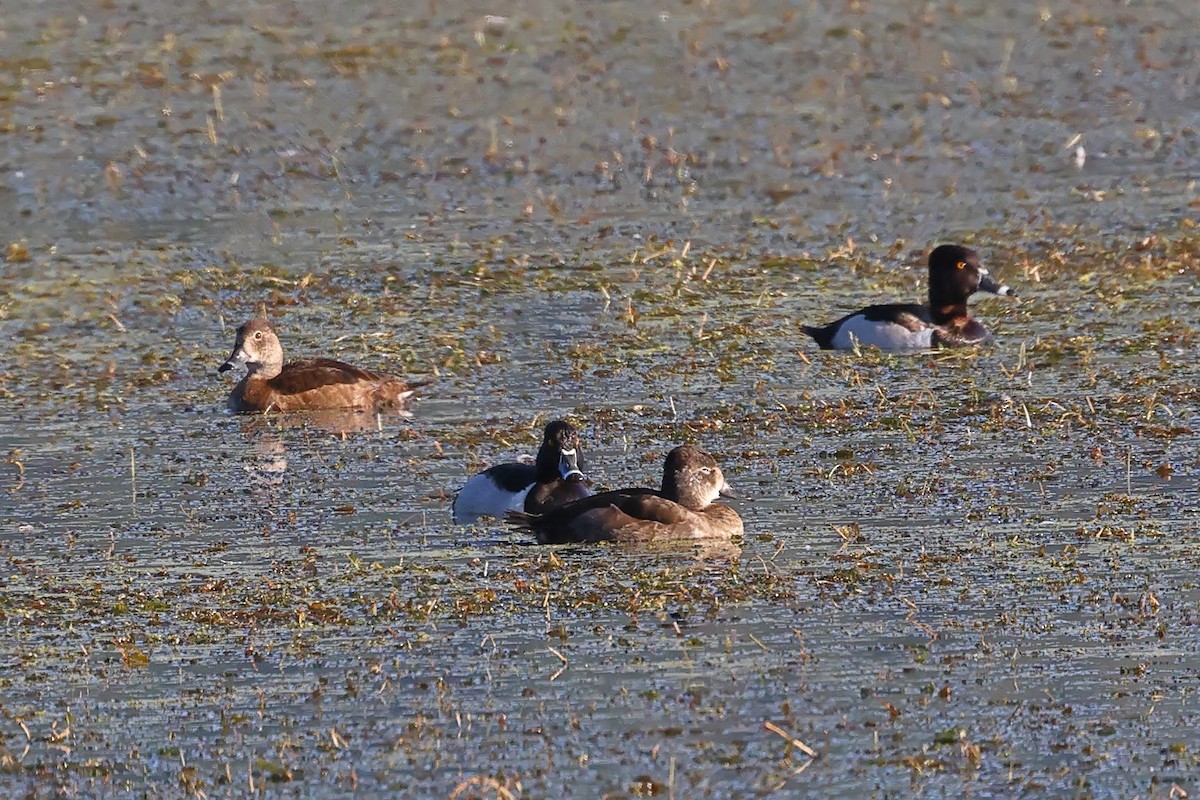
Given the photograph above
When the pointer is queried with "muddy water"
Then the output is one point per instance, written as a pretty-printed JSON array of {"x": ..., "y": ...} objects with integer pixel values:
[{"x": 963, "y": 573}]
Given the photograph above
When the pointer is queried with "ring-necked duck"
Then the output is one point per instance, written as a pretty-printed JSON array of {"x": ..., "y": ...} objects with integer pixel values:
[
  {"x": 552, "y": 480},
  {"x": 313, "y": 384},
  {"x": 683, "y": 508},
  {"x": 954, "y": 275}
]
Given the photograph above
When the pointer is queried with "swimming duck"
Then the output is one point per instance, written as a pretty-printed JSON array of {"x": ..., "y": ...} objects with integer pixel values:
[
  {"x": 683, "y": 508},
  {"x": 955, "y": 274},
  {"x": 553, "y": 479},
  {"x": 313, "y": 384}
]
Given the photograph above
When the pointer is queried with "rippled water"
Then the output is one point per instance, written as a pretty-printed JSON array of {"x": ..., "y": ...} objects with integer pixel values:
[{"x": 964, "y": 574}]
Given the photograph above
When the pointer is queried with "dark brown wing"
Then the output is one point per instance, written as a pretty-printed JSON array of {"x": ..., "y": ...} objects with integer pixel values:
[
  {"x": 619, "y": 515},
  {"x": 303, "y": 376},
  {"x": 565, "y": 513},
  {"x": 545, "y": 497},
  {"x": 913, "y": 316},
  {"x": 652, "y": 508}
]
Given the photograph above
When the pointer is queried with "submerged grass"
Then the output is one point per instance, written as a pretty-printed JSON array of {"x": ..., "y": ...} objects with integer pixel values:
[{"x": 964, "y": 572}]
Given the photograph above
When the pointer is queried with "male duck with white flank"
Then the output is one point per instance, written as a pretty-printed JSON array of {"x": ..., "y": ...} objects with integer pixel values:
[
  {"x": 683, "y": 509},
  {"x": 955, "y": 274},
  {"x": 552, "y": 480}
]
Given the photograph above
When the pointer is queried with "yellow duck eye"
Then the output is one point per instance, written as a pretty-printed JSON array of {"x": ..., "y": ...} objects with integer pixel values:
[{"x": 961, "y": 265}]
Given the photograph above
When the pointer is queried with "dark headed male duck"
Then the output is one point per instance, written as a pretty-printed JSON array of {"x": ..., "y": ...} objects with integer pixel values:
[
  {"x": 313, "y": 384},
  {"x": 552, "y": 480},
  {"x": 682, "y": 509},
  {"x": 954, "y": 275}
]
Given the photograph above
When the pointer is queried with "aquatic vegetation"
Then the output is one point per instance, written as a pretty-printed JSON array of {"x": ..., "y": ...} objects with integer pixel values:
[{"x": 963, "y": 572}]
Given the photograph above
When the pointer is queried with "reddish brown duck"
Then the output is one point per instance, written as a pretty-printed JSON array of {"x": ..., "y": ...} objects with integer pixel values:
[{"x": 313, "y": 384}]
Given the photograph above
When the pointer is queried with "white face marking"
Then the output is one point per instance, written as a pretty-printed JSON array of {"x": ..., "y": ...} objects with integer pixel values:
[
  {"x": 482, "y": 497},
  {"x": 567, "y": 466},
  {"x": 884, "y": 335},
  {"x": 715, "y": 490},
  {"x": 983, "y": 271}
]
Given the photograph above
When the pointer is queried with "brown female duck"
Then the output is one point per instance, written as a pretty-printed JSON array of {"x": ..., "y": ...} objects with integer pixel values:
[
  {"x": 314, "y": 384},
  {"x": 683, "y": 508}
]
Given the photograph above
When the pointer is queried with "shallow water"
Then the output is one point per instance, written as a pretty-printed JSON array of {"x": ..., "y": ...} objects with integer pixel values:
[{"x": 964, "y": 574}]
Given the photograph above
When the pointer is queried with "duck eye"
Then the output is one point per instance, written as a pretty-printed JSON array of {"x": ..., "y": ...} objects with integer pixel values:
[
  {"x": 961, "y": 265},
  {"x": 258, "y": 334}
]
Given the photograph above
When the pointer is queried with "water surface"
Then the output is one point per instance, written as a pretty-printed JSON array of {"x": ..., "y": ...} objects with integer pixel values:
[{"x": 964, "y": 573}]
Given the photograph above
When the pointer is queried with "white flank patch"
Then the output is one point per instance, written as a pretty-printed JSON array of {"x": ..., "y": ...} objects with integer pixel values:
[
  {"x": 884, "y": 335},
  {"x": 481, "y": 497}
]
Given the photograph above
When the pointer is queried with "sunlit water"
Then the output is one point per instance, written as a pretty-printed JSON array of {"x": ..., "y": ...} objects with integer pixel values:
[{"x": 963, "y": 574}]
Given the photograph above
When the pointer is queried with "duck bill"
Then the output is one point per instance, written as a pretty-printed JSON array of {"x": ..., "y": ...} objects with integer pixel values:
[
  {"x": 238, "y": 356},
  {"x": 727, "y": 491},
  {"x": 988, "y": 284},
  {"x": 568, "y": 465}
]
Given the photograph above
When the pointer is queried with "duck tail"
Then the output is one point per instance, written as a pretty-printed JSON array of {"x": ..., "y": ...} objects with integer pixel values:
[
  {"x": 394, "y": 395},
  {"x": 520, "y": 520},
  {"x": 822, "y": 336},
  {"x": 527, "y": 523}
]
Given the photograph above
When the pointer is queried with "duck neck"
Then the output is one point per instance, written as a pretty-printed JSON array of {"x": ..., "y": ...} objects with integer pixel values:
[
  {"x": 547, "y": 465},
  {"x": 943, "y": 312},
  {"x": 265, "y": 370},
  {"x": 688, "y": 496}
]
